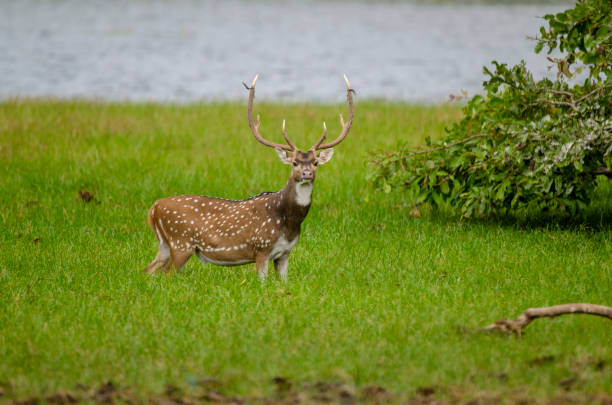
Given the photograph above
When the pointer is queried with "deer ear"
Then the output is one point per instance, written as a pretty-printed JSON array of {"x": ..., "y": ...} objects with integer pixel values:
[
  {"x": 325, "y": 156},
  {"x": 282, "y": 155}
]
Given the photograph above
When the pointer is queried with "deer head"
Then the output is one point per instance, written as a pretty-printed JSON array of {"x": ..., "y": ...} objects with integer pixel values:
[{"x": 304, "y": 164}]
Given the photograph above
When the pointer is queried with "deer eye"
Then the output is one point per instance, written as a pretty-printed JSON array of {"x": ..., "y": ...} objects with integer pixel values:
[
  {"x": 295, "y": 163},
  {"x": 316, "y": 163}
]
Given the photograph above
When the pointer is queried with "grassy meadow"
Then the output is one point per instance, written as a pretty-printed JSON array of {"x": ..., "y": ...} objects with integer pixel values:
[{"x": 375, "y": 297}]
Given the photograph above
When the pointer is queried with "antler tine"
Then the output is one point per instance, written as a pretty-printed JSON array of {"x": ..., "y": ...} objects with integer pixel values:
[
  {"x": 345, "y": 126},
  {"x": 255, "y": 125},
  {"x": 287, "y": 138},
  {"x": 322, "y": 137}
]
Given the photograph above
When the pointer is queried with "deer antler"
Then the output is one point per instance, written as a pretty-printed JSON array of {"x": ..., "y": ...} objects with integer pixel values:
[
  {"x": 345, "y": 126},
  {"x": 287, "y": 138},
  {"x": 322, "y": 137},
  {"x": 255, "y": 125}
]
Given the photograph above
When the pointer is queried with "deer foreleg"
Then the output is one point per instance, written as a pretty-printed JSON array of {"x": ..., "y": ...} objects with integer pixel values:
[
  {"x": 201, "y": 257},
  {"x": 280, "y": 265}
]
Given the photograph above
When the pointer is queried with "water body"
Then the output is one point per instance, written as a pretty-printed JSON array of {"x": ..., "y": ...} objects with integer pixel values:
[{"x": 183, "y": 51}]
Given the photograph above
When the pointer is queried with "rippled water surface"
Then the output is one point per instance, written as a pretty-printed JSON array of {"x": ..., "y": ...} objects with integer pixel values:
[{"x": 203, "y": 50}]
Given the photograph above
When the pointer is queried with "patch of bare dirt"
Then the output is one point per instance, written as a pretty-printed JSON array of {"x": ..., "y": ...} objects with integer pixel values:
[
  {"x": 61, "y": 398},
  {"x": 288, "y": 392},
  {"x": 86, "y": 196}
]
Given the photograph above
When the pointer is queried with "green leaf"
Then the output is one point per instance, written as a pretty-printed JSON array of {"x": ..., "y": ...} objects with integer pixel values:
[
  {"x": 501, "y": 191},
  {"x": 437, "y": 198},
  {"x": 444, "y": 187},
  {"x": 432, "y": 178},
  {"x": 602, "y": 32},
  {"x": 578, "y": 166},
  {"x": 539, "y": 46},
  {"x": 422, "y": 197}
]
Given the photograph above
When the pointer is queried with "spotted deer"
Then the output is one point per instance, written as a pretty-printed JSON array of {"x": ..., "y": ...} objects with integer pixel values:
[{"x": 259, "y": 229}]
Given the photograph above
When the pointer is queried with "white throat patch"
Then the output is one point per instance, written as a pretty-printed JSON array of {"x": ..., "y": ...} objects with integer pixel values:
[{"x": 303, "y": 193}]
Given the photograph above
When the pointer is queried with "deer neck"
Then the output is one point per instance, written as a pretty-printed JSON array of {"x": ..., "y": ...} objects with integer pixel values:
[
  {"x": 295, "y": 203},
  {"x": 298, "y": 194}
]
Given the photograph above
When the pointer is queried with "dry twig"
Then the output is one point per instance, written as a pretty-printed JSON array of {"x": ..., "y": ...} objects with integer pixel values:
[{"x": 517, "y": 325}]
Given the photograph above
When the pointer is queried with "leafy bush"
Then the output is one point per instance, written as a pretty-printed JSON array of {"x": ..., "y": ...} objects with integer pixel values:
[{"x": 524, "y": 146}]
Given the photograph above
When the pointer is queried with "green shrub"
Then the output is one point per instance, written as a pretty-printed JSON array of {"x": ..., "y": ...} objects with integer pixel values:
[{"x": 524, "y": 146}]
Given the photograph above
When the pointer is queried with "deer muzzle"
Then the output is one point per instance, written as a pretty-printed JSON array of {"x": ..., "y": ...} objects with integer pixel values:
[{"x": 307, "y": 174}]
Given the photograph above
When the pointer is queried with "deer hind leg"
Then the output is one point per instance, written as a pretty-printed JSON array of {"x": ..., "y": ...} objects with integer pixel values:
[
  {"x": 181, "y": 256},
  {"x": 162, "y": 259},
  {"x": 280, "y": 265}
]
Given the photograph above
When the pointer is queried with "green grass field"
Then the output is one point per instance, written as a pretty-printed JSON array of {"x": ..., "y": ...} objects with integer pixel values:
[{"x": 374, "y": 297}]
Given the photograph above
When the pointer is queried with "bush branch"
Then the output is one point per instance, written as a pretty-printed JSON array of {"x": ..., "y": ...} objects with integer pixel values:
[
  {"x": 565, "y": 93},
  {"x": 450, "y": 145},
  {"x": 590, "y": 93},
  {"x": 570, "y": 104},
  {"x": 603, "y": 171}
]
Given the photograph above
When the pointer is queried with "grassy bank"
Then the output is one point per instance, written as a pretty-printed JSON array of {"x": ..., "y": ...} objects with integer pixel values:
[{"x": 374, "y": 297}]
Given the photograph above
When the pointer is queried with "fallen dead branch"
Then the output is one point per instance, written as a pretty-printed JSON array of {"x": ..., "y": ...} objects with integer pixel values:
[{"x": 517, "y": 325}]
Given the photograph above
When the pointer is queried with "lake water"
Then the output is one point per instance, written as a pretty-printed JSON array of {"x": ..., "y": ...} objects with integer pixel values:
[{"x": 203, "y": 50}]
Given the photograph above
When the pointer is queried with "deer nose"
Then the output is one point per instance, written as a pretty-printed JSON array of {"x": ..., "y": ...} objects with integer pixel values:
[{"x": 307, "y": 174}]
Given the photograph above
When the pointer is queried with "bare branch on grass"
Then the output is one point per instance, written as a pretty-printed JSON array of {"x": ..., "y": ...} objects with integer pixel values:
[{"x": 517, "y": 325}]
